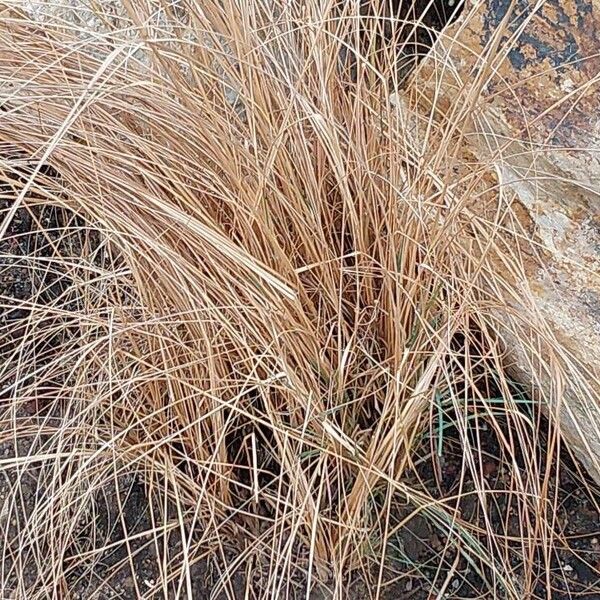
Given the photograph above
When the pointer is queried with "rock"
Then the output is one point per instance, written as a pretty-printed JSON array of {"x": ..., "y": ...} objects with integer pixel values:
[{"x": 522, "y": 79}]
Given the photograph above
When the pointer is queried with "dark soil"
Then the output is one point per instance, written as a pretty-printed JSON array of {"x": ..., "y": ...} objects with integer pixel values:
[
  {"x": 407, "y": 31},
  {"x": 420, "y": 561},
  {"x": 124, "y": 561},
  {"x": 574, "y": 566}
]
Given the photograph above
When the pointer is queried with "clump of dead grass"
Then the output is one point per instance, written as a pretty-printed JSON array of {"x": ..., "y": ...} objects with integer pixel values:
[{"x": 279, "y": 281}]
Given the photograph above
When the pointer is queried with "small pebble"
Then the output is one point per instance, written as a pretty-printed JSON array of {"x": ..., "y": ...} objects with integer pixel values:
[{"x": 594, "y": 541}]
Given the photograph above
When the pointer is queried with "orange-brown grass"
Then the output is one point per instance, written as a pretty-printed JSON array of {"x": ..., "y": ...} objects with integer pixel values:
[{"x": 280, "y": 277}]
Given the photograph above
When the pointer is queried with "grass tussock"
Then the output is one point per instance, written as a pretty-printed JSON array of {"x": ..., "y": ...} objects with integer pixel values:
[{"x": 263, "y": 286}]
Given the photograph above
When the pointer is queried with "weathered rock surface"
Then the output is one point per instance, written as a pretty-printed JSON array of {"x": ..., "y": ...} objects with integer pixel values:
[{"x": 528, "y": 74}]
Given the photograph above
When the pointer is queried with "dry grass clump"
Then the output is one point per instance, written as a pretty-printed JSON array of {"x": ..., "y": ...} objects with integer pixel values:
[{"x": 277, "y": 283}]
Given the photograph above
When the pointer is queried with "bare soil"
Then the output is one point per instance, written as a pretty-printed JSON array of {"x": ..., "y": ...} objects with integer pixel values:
[{"x": 419, "y": 561}]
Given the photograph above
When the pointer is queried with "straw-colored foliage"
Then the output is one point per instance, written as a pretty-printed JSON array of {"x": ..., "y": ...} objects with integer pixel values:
[{"x": 273, "y": 279}]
